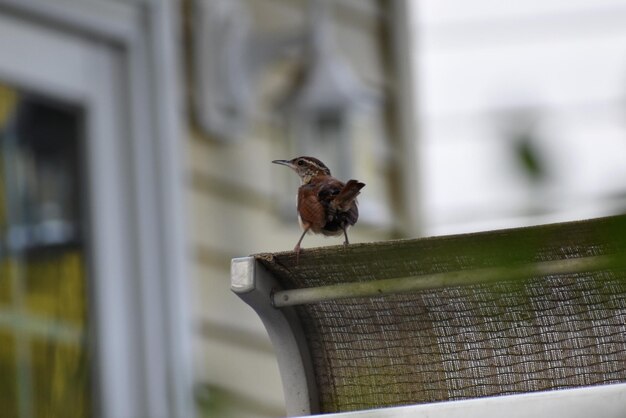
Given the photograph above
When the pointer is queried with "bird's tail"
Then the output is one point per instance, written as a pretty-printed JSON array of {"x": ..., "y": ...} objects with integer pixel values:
[{"x": 346, "y": 196}]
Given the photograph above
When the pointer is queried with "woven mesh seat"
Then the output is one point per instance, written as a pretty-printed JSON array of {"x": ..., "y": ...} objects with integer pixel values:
[{"x": 512, "y": 335}]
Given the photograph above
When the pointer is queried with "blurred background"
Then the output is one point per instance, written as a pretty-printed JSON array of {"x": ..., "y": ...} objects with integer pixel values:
[
  {"x": 459, "y": 115},
  {"x": 521, "y": 110}
]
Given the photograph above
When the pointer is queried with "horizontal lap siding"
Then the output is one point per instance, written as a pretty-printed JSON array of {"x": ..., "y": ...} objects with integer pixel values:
[{"x": 235, "y": 210}]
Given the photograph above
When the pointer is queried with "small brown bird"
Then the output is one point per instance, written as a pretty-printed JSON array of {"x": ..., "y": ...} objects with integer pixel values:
[{"x": 325, "y": 205}]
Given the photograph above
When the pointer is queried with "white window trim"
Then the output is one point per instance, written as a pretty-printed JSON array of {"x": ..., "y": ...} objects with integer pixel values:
[{"x": 138, "y": 239}]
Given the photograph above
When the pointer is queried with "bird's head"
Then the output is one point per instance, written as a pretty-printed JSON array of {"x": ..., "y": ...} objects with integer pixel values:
[{"x": 305, "y": 167}]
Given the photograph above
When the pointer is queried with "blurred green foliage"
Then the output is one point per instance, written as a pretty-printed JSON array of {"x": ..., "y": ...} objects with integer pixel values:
[
  {"x": 529, "y": 157},
  {"x": 50, "y": 373}
]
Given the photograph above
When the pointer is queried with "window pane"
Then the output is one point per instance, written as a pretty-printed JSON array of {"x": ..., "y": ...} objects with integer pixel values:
[
  {"x": 5, "y": 283},
  {"x": 8, "y": 375},
  {"x": 44, "y": 357},
  {"x": 55, "y": 286},
  {"x": 60, "y": 380}
]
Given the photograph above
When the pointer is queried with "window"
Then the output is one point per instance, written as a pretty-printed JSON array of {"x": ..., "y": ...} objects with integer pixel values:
[
  {"x": 44, "y": 324},
  {"x": 110, "y": 338}
]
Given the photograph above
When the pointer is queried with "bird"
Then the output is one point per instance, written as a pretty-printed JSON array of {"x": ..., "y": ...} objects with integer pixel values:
[{"x": 325, "y": 204}]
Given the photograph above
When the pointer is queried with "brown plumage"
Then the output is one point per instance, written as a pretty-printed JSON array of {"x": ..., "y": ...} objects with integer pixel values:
[{"x": 325, "y": 205}]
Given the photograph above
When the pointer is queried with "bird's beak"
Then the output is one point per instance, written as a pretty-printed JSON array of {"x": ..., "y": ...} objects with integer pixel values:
[{"x": 284, "y": 162}]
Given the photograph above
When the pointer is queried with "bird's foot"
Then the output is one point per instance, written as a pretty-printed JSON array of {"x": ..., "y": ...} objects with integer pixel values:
[
  {"x": 297, "y": 250},
  {"x": 345, "y": 235}
]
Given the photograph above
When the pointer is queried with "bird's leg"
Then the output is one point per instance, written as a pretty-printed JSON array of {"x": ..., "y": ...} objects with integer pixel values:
[
  {"x": 297, "y": 247},
  {"x": 345, "y": 234}
]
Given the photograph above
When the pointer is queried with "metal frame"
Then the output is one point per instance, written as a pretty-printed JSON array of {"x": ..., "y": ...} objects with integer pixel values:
[
  {"x": 259, "y": 289},
  {"x": 135, "y": 173},
  {"x": 255, "y": 286},
  {"x": 608, "y": 401},
  {"x": 409, "y": 284}
]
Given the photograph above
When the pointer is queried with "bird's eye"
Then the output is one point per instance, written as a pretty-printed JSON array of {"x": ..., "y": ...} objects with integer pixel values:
[{"x": 300, "y": 162}]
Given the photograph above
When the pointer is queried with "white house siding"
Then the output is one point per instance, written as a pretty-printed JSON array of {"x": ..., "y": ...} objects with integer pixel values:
[
  {"x": 235, "y": 194},
  {"x": 560, "y": 63}
]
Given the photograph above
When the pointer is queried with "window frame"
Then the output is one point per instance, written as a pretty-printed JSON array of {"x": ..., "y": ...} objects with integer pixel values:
[{"x": 124, "y": 75}]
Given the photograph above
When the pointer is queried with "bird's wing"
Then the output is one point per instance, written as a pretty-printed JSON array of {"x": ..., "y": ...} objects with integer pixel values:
[
  {"x": 312, "y": 212},
  {"x": 328, "y": 189}
]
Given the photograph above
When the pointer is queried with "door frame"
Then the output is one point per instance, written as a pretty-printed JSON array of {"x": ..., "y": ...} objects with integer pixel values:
[{"x": 143, "y": 333}]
